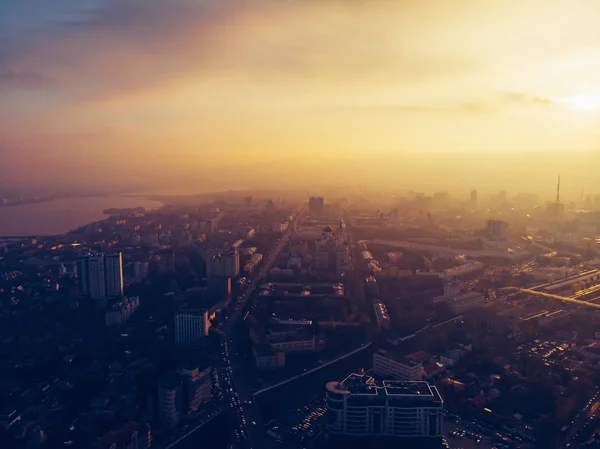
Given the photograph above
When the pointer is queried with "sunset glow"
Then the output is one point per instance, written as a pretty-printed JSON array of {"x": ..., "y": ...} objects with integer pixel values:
[{"x": 191, "y": 86}]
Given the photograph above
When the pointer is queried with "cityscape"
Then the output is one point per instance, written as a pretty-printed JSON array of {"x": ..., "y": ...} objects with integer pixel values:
[
  {"x": 240, "y": 321},
  {"x": 334, "y": 224}
]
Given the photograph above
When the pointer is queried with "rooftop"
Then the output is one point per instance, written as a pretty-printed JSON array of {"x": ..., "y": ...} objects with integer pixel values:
[{"x": 362, "y": 384}]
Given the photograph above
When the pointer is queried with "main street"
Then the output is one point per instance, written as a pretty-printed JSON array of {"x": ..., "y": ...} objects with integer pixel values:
[{"x": 251, "y": 419}]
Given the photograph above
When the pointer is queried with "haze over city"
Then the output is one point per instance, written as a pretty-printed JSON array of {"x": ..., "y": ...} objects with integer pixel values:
[{"x": 462, "y": 94}]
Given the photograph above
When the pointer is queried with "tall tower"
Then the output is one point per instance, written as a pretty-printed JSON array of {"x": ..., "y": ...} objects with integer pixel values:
[
  {"x": 558, "y": 191},
  {"x": 96, "y": 277},
  {"x": 113, "y": 272}
]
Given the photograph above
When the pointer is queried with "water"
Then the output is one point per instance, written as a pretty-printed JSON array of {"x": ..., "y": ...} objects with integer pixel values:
[{"x": 62, "y": 215}]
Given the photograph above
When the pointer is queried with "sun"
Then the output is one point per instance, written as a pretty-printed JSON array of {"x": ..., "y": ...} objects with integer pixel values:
[{"x": 583, "y": 102}]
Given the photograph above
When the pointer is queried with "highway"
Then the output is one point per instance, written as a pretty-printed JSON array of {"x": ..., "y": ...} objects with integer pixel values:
[{"x": 241, "y": 385}]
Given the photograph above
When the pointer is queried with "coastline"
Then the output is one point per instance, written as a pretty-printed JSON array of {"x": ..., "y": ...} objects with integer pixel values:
[{"x": 59, "y": 216}]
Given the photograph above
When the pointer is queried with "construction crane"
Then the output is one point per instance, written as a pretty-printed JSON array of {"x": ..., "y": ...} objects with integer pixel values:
[{"x": 552, "y": 296}]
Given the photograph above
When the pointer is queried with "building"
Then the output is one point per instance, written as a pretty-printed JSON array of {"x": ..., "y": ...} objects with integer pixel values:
[
  {"x": 331, "y": 251},
  {"x": 113, "y": 273},
  {"x": 130, "y": 436},
  {"x": 170, "y": 402},
  {"x": 191, "y": 326},
  {"x": 139, "y": 271},
  {"x": 223, "y": 264},
  {"x": 474, "y": 198},
  {"x": 466, "y": 301},
  {"x": 83, "y": 274},
  {"x": 121, "y": 312},
  {"x": 207, "y": 227},
  {"x": 267, "y": 359},
  {"x": 316, "y": 204},
  {"x": 497, "y": 229},
  {"x": 382, "y": 317},
  {"x": 359, "y": 406},
  {"x": 100, "y": 276},
  {"x": 166, "y": 262},
  {"x": 197, "y": 386},
  {"x": 96, "y": 277},
  {"x": 399, "y": 368}
]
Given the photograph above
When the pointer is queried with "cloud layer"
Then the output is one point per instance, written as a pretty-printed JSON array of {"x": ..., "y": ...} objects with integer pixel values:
[{"x": 212, "y": 83}]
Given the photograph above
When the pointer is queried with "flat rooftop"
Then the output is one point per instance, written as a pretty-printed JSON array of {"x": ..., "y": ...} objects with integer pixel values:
[{"x": 364, "y": 385}]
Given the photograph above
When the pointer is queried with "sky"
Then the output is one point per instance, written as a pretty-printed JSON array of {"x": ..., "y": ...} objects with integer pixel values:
[{"x": 426, "y": 94}]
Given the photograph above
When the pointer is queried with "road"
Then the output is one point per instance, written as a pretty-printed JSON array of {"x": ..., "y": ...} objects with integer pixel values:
[
  {"x": 242, "y": 387},
  {"x": 586, "y": 414}
]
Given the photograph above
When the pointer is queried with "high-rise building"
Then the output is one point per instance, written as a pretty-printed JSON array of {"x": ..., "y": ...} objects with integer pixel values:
[
  {"x": 360, "y": 406},
  {"x": 191, "y": 326},
  {"x": 113, "y": 272},
  {"x": 474, "y": 198},
  {"x": 100, "y": 276},
  {"x": 96, "y": 277},
  {"x": 208, "y": 227},
  {"x": 497, "y": 229},
  {"x": 83, "y": 274},
  {"x": 223, "y": 264},
  {"x": 166, "y": 263},
  {"x": 170, "y": 401},
  {"x": 197, "y": 386},
  {"x": 316, "y": 204}
]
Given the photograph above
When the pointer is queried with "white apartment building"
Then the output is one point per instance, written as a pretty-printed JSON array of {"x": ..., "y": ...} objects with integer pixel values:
[
  {"x": 100, "y": 275},
  {"x": 191, "y": 326},
  {"x": 359, "y": 406},
  {"x": 386, "y": 365}
]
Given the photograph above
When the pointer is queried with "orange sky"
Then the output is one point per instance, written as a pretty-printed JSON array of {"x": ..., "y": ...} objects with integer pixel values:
[{"x": 466, "y": 94}]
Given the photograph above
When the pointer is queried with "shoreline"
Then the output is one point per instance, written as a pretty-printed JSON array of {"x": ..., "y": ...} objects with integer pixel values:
[{"x": 76, "y": 216}]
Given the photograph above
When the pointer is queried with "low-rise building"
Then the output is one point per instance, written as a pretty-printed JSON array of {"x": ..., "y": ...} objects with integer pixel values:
[
  {"x": 382, "y": 317},
  {"x": 120, "y": 312},
  {"x": 466, "y": 301},
  {"x": 387, "y": 365}
]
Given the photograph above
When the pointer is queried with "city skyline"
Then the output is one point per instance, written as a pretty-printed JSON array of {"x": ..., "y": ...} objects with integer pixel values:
[{"x": 474, "y": 94}]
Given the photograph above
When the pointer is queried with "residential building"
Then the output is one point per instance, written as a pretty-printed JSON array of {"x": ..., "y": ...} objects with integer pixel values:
[
  {"x": 497, "y": 229},
  {"x": 223, "y": 264},
  {"x": 121, "y": 312},
  {"x": 360, "y": 406},
  {"x": 113, "y": 272},
  {"x": 197, "y": 386},
  {"x": 130, "y": 436},
  {"x": 166, "y": 263},
  {"x": 96, "y": 277},
  {"x": 267, "y": 359},
  {"x": 382, "y": 317},
  {"x": 170, "y": 402},
  {"x": 191, "y": 326},
  {"x": 316, "y": 204},
  {"x": 100, "y": 275},
  {"x": 466, "y": 301},
  {"x": 387, "y": 365}
]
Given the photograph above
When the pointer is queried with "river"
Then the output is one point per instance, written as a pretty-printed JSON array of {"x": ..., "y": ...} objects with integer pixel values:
[{"x": 63, "y": 214}]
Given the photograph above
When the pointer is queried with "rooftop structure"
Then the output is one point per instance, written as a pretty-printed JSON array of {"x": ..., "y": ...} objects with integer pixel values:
[{"x": 361, "y": 406}]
